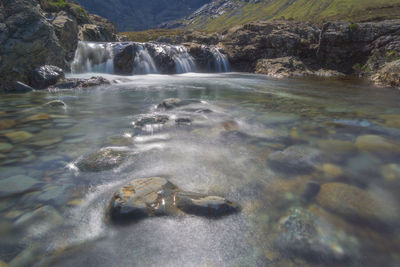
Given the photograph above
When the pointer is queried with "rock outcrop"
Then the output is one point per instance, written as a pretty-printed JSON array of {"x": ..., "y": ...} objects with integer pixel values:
[
  {"x": 35, "y": 33},
  {"x": 156, "y": 196}
]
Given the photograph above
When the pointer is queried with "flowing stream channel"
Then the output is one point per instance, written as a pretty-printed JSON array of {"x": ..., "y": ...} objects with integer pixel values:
[{"x": 314, "y": 165}]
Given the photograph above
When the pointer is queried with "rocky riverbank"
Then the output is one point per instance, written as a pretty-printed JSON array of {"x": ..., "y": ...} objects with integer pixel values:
[
  {"x": 285, "y": 48},
  {"x": 35, "y": 33}
]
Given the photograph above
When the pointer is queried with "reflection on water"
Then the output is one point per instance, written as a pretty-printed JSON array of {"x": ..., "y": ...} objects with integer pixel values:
[{"x": 314, "y": 164}]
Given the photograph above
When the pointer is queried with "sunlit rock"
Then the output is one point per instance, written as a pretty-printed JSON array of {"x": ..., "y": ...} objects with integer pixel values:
[
  {"x": 377, "y": 144},
  {"x": 18, "y": 136},
  {"x": 156, "y": 196},
  {"x": 102, "y": 160}
]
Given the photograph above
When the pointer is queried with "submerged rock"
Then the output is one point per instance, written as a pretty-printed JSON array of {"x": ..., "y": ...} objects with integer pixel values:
[
  {"x": 156, "y": 119},
  {"x": 156, "y": 196},
  {"x": 171, "y": 103},
  {"x": 377, "y": 144},
  {"x": 17, "y": 184},
  {"x": 305, "y": 235},
  {"x": 102, "y": 160},
  {"x": 55, "y": 104},
  {"x": 7, "y": 124},
  {"x": 295, "y": 159},
  {"x": 358, "y": 205},
  {"x": 18, "y": 136}
]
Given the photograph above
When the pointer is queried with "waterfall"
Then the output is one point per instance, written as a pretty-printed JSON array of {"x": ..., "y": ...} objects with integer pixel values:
[
  {"x": 143, "y": 63},
  {"x": 221, "y": 63},
  {"x": 130, "y": 58},
  {"x": 93, "y": 57}
]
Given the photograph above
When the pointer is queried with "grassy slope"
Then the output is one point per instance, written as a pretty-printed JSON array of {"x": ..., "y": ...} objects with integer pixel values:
[{"x": 316, "y": 11}]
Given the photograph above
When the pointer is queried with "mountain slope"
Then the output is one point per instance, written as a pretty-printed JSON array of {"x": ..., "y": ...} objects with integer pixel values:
[
  {"x": 222, "y": 14},
  {"x": 137, "y": 15}
]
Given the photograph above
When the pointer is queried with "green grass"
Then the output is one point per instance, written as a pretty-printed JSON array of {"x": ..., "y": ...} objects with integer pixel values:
[
  {"x": 316, "y": 11},
  {"x": 150, "y": 35}
]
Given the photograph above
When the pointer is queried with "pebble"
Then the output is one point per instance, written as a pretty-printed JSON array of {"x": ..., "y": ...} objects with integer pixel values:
[
  {"x": 16, "y": 184},
  {"x": 18, "y": 136},
  {"x": 5, "y": 147}
]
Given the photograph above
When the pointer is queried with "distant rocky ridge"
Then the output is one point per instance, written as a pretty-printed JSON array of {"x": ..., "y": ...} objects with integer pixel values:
[
  {"x": 35, "y": 33},
  {"x": 286, "y": 48}
]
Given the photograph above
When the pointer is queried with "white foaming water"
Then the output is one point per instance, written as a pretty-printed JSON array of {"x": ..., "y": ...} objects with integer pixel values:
[
  {"x": 144, "y": 63},
  {"x": 149, "y": 58},
  {"x": 93, "y": 57},
  {"x": 221, "y": 63}
]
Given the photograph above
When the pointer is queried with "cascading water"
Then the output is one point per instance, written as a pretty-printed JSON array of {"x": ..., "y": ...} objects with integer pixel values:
[
  {"x": 93, "y": 57},
  {"x": 142, "y": 58},
  {"x": 221, "y": 63},
  {"x": 143, "y": 63}
]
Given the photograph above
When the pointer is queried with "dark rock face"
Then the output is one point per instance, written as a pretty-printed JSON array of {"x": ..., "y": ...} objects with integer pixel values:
[
  {"x": 343, "y": 44},
  {"x": 156, "y": 196},
  {"x": 124, "y": 58},
  {"x": 27, "y": 40},
  {"x": 46, "y": 76},
  {"x": 66, "y": 28},
  {"x": 19, "y": 87},
  {"x": 262, "y": 40},
  {"x": 102, "y": 160}
]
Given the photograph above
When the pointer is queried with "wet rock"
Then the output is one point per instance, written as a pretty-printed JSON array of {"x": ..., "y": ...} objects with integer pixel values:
[
  {"x": 305, "y": 235},
  {"x": 26, "y": 258},
  {"x": 171, "y": 103},
  {"x": 358, "y": 205},
  {"x": 19, "y": 87},
  {"x": 45, "y": 214},
  {"x": 18, "y": 136},
  {"x": 203, "y": 205},
  {"x": 156, "y": 119},
  {"x": 377, "y": 144},
  {"x": 294, "y": 160},
  {"x": 335, "y": 147},
  {"x": 44, "y": 76},
  {"x": 55, "y": 104},
  {"x": 157, "y": 196},
  {"x": 37, "y": 117},
  {"x": 391, "y": 172},
  {"x": 124, "y": 58},
  {"x": 7, "y": 124},
  {"x": 47, "y": 142},
  {"x": 80, "y": 83},
  {"x": 102, "y": 160},
  {"x": 311, "y": 191},
  {"x": 17, "y": 184},
  {"x": 391, "y": 120},
  {"x": 5, "y": 147},
  {"x": 183, "y": 121},
  {"x": 331, "y": 170}
]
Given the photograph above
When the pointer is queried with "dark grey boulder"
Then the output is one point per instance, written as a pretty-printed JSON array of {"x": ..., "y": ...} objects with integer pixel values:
[
  {"x": 156, "y": 119},
  {"x": 45, "y": 76}
]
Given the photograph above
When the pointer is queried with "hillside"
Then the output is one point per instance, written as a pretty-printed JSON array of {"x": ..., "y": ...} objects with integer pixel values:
[
  {"x": 135, "y": 15},
  {"x": 222, "y": 14}
]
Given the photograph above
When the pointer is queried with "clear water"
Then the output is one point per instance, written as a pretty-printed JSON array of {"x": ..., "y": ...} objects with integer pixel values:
[{"x": 222, "y": 152}]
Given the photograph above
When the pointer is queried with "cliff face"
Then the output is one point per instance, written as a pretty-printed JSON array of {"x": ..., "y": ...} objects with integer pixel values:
[{"x": 35, "y": 33}]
